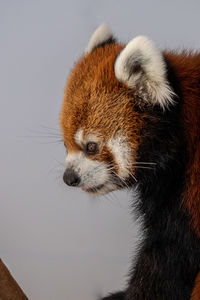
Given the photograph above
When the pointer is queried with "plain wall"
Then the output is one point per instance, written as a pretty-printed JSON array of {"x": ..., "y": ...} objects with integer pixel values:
[{"x": 57, "y": 241}]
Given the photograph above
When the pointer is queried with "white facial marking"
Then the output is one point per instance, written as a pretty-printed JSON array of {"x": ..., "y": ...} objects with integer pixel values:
[
  {"x": 80, "y": 140},
  {"x": 95, "y": 176},
  {"x": 78, "y": 137},
  {"x": 92, "y": 138},
  {"x": 122, "y": 154},
  {"x": 92, "y": 173},
  {"x": 150, "y": 70},
  {"x": 101, "y": 35}
]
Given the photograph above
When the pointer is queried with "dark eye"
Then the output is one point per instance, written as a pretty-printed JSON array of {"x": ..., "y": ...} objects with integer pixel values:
[{"x": 91, "y": 148}]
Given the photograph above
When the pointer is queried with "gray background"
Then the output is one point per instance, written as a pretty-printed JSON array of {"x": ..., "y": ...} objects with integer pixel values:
[{"x": 58, "y": 242}]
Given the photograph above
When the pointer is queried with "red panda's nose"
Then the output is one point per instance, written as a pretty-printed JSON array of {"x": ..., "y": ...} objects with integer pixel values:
[{"x": 71, "y": 178}]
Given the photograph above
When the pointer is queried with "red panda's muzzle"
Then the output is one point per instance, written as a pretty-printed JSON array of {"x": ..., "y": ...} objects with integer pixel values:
[{"x": 91, "y": 175}]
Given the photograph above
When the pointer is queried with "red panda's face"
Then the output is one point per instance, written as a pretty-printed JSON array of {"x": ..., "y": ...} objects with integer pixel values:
[{"x": 100, "y": 127}]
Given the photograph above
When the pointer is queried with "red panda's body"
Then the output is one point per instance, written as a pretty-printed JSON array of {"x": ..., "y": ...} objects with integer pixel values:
[
  {"x": 186, "y": 68},
  {"x": 131, "y": 117}
]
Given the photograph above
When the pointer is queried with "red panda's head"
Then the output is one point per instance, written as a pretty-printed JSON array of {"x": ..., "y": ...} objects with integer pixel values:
[{"x": 103, "y": 113}]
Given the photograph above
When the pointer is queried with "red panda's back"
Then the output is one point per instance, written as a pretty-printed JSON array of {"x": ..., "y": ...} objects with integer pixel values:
[{"x": 186, "y": 67}]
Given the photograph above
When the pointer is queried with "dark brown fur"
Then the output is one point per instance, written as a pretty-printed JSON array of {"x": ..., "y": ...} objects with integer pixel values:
[{"x": 187, "y": 69}]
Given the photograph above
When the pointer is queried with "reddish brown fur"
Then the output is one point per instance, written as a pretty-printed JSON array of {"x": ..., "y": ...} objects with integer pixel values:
[
  {"x": 196, "y": 291},
  {"x": 9, "y": 288},
  {"x": 187, "y": 69},
  {"x": 93, "y": 87}
]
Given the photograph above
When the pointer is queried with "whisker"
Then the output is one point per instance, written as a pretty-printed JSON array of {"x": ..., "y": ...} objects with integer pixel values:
[
  {"x": 60, "y": 163},
  {"x": 54, "y": 169},
  {"x": 113, "y": 200},
  {"x": 117, "y": 175},
  {"x": 132, "y": 176},
  {"x": 41, "y": 137},
  {"x": 50, "y": 128},
  {"x": 44, "y": 133},
  {"x": 141, "y": 167},
  {"x": 147, "y": 163},
  {"x": 50, "y": 142}
]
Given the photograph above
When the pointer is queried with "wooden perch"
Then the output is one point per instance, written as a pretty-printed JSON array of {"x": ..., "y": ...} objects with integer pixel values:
[{"x": 9, "y": 289}]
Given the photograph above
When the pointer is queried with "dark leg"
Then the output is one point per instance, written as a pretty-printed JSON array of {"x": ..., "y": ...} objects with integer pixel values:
[{"x": 162, "y": 274}]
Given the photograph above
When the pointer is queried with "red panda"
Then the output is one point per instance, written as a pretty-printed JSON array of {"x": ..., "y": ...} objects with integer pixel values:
[{"x": 131, "y": 119}]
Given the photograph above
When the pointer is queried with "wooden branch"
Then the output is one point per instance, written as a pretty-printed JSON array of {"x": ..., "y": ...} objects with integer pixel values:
[{"x": 9, "y": 289}]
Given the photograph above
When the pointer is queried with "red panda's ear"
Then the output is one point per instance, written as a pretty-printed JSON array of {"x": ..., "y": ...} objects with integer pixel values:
[
  {"x": 102, "y": 36},
  {"x": 141, "y": 66}
]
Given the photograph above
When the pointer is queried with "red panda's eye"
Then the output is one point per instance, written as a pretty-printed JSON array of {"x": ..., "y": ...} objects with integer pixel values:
[{"x": 91, "y": 148}]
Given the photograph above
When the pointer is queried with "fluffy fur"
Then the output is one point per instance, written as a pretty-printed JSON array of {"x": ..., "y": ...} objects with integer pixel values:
[
  {"x": 141, "y": 66},
  {"x": 144, "y": 116},
  {"x": 121, "y": 154},
  {"x": 102, "y": 34}
]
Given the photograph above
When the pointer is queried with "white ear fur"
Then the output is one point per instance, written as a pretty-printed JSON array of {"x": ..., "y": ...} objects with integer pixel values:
[
  {"x": 140, "y": 65},
  {"x": 102, "y": 34}
]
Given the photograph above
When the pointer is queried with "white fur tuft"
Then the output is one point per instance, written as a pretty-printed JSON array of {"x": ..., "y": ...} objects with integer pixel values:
[
  {"x": 101, "y": 35},
  {"x": 149, "y": 75},
  {"x": 78, "y": 137},
  {"x": 122, "y": 155}
]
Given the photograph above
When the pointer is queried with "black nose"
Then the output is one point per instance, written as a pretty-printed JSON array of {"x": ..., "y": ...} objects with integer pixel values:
[{"x": 71, "y": 178}]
